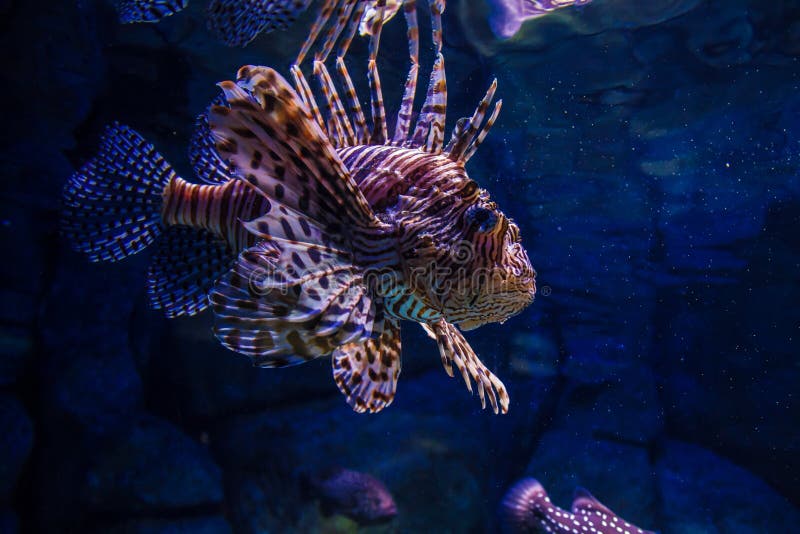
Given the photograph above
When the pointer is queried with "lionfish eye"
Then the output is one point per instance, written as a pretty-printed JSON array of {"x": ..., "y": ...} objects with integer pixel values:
[{"x": 482, "y": 218}]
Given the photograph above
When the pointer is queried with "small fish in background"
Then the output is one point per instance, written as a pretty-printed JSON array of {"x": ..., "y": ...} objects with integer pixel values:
[
  {"x": 526, "y": 508},
  {"x": 508, "y": 15},
  {"x": 354, "y": 494},
  {"x": 234, "y": 22}
]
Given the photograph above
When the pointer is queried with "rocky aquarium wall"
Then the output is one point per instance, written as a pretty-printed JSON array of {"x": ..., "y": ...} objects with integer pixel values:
[{"x": 649, "y": 152}]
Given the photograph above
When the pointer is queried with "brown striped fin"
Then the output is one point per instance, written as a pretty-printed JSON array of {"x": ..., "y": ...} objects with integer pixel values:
[
  {"x": 184, "y": 268},
  {"x": 367, "y": 372},
  {"x": 454, "y": 349},
  {"x": 270, "y": 138},
  {"x": 283, "y": 222}
]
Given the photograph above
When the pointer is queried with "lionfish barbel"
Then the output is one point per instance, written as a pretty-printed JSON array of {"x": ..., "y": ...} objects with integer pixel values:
[{"x": 316, "y": 233}]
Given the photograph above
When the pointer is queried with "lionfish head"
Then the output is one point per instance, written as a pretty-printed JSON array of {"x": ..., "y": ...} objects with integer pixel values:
[
  {"x": 494, "y": 278},
  {"x": 475, "y": 268}
]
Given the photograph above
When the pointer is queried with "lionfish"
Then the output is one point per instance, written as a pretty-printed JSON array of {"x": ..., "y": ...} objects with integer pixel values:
[
  {"x": 237, "y": 22},
  {"x": 316, "y": 233}
]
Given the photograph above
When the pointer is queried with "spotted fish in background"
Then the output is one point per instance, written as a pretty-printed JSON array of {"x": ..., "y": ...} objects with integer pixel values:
[
  {"x": 508, "y": 15},
  {"x": 357, "y": 495},
  {"x": 316, "y": 233},
  {"x": 526, "y": 508},
  {"x": 234, "y": 22}
]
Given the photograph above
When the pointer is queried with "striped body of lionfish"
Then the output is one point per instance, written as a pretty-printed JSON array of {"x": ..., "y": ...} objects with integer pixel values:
[{"x": 315, "y": 234}]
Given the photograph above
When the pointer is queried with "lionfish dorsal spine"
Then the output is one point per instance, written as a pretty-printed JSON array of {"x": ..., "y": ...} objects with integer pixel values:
[
  {"x": 379, "y": 129},
  {"x": 460, "y": 142},
  {"x": 403, "y": 122},
  {"x": 342, "y": 118}
]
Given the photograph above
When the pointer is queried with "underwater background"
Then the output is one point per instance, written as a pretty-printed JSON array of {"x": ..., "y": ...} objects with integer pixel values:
[{"x": 650, "y": 153}]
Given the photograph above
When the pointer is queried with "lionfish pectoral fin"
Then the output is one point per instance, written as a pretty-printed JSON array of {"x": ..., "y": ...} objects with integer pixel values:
[
  {"x": 237, "y": 22},
  {"x": 455, "y": 350},
  {"x": 186, "y": 265},
  {"x": 286, "y": 302},
  {"x": 206, "y": 162},
  {"x": 131, "y": 11},
  {"x": 271, "y": 140},
  {"x": 366, "y": 372}
]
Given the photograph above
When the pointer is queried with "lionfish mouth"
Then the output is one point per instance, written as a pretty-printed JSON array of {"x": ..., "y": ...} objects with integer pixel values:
[{"x": 521, "y": 300}]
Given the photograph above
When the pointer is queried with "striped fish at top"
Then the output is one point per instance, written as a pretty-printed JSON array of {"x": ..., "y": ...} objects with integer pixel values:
[{"x": 316, "y": 232}]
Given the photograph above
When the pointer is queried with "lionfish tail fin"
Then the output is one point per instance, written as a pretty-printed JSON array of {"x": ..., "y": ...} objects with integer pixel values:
[
  {"x": 518, "y": 508},
  {"x": 237, "y": 22},
  {"x": 112, "y": 205},
  {"x": 367, "y": 372},
  {"x": 131, "y": 11}
]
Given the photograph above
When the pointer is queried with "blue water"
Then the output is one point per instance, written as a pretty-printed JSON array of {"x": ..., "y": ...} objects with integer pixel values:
[{"x": 649, "y": 154}]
